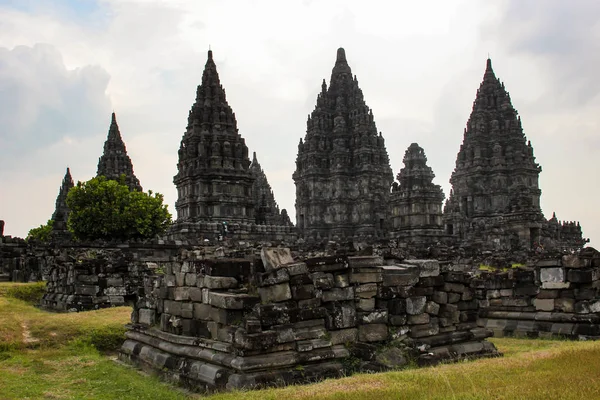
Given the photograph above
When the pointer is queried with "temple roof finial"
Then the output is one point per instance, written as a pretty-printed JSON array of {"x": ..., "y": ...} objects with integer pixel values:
[{"x": 341, "y": 56}]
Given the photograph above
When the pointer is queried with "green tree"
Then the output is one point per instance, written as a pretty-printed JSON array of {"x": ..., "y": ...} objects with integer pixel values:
[
  {"x": 41, "y": 233},
  {"x": 107, "y": 209}
]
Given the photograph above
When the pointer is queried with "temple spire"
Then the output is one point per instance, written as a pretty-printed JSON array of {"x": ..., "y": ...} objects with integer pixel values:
[
  {"x": 61, "y": 210},
  {"x": 114, "y": 161}
]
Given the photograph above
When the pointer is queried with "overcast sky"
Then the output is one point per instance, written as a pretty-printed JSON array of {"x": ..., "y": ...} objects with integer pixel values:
[{"x": 66, "y": 64}]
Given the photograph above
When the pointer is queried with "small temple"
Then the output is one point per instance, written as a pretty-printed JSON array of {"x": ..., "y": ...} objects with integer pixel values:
[
  {"x": 115, "y": 162},
  {"x": 267, "y": 210},
  {"x": 415, "y": 201},
  {"x": 61, "y": 210}
]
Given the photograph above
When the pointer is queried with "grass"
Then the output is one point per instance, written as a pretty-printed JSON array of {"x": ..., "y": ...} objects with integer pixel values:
[{"x": 50, "y": 356}]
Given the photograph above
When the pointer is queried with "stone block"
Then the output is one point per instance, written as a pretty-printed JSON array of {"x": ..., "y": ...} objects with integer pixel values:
[
  {"x": 147, "y": 316},
  {"x": 338, "y": 294},
  {"x": 549, "y": 263},
  {"x": 548, "y": 294},
  {"x": 426, "y": 267},
  {"x": 365, "y": 261},
  {"x": 172, "y": 307},
  {"x": 564, "y": 305},
  {"x": 440, "y": 297},
  {"x": 572, "y": 261},
  {"x": 587, "y": 275},
  {"x": 432, "y": 308},
  {"x": 274, "y": 258},
  {"x": 373, "y": 317},
  {"x": 372, "y": 333},
  {"x": 114, "y": 281},
  {"x": 344, "y": 336},
  {"x": 88, "y": 290},
  {"x": 544, "y": 304},
  {"x": 553, "y": 275},
  {"x": 397, "y": 306},
  {"x": 365, "y": 304},
  {"x": 398, "y": 320},
  {"x": 400, "y": 275},
  {"x": 234, "y": 301},
  {"x": 181, "y": 293},
  {"x": 275, "y": 293},
  {"x": 418, "y": 319},
  {"x": 180, "y": 278},
  {"x": 341, "y": 280},
  {"x": 226, "y": 317},
  {"x": 274, "y": 277},
  {"x": 220, "y": 282},
  {"x": 187, "y": 310},
  {"x": 415, "y": 305},
  {"x": 296, "y": 268},
  {"x": 454, "y": 297},
  {"x": 202, "y": 311},
  {"x": 191, "y": 279},
  {"x": 322, "y": 280},
  {"x": 340, "y": 315},
  {"x": 303, "y": 292},
  {"x": 195, "y": 294},
  {"x": 453, "y": 287},
  {"x": 556, "y": 285},
  {"x": 424, "y": 330},
  {"x": 366, "y": 277}
]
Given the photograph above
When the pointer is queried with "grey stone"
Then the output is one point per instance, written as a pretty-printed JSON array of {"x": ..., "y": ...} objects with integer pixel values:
[
  {"x": 415, "y": 305},
  {"x": 275, "y": 293}
]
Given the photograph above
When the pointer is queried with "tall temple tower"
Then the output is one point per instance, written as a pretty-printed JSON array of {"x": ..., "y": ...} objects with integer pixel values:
[
  {"x": 61, "y": 211},
  {"x": 266, "y": 209},
  {"x": 495, "y": 195},
  {"x": 416, "y": 202},
  {"x": 115, "y": 161},
  {"x": 214, "y": 181},
  {"x": 343, "y": 174}
]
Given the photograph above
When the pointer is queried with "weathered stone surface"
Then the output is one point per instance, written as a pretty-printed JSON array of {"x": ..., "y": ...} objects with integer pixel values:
[
  {"x": 344, "y": 336},
  {"x": 372, "y": 333},
  {"x": 274, "y": 258},
  {"x": 552, "y": 275},
  {"x": 275, "y": 293},
  {"x": 338, "y": 294},
  {"x": 219, "y": 282},
  {"x": 415, "y": 305},
  {"x": 233, "y": 301},
  {"x": 426, "y": 267}
]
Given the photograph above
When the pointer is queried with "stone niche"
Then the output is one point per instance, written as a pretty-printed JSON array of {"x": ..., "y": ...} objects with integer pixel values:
[{"x": 212, "y": 324}]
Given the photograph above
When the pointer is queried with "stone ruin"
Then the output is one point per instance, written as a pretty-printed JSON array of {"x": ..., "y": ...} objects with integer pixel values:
[{"x": 234, "y": 323}]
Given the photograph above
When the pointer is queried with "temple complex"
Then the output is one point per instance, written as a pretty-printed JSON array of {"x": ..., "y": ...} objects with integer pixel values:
[
  {"x": 115, "y": 161},
  {"x": 61, "y": 211},
  {"x": 343, "y": 175},
  {"x": 415, "y": 201},
  {"x": 266, "y": 208},
  {"x": 495, "y": 197}
]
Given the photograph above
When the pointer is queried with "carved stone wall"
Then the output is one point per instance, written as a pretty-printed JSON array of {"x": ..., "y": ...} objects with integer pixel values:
[{"x": 212, "y": 324}]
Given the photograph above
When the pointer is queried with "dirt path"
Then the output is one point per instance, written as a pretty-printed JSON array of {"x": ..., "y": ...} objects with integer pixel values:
[{"x": 27, "y": 338}]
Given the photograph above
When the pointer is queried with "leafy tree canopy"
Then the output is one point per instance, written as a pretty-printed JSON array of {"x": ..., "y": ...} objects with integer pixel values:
[
  {"x": 41, "y": 233},
  {"x": 107, "y": 209}
]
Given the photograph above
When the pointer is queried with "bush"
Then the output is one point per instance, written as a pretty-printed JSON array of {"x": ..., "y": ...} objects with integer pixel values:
[
  {"x": 107, "y": 209},
  {"x": 104, "y": 339},
  {"x": 41, "y": 233},
  {"x": 29, "y": 292}
]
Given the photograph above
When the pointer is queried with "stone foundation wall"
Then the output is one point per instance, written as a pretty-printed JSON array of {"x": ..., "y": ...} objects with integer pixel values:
[
  {"x": 212, "y": 324},
  {"x": 559, "y": 297}
]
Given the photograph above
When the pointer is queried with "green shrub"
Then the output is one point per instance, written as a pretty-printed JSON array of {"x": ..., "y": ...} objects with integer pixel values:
[
  {"x": 30, "y": 292},
  {"x": 104, "y": 339},
  {"x": 41, "y": 233},
  {"x": 107, "y": 209}
]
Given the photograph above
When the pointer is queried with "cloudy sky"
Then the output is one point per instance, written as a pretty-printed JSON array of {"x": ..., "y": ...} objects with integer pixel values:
[{"x": 66, "y": 64}]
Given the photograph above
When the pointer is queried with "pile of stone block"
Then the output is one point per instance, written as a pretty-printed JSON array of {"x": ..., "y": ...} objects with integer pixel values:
[
  {"x": 227, "y": 323},
  {"x": 560, "y": 297}
]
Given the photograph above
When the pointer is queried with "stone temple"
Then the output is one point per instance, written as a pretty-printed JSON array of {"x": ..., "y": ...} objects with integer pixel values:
[
  {"x": 61, "y": 211},
  {"x": 415, "y": 201},
  {"x": 115, "y": 161},
  {"x": 267, "y": 210},
  {"x": 214, "y": 180},
  {"x": 343, "y": 173},
  {"x": 495, "y": 197}
]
